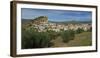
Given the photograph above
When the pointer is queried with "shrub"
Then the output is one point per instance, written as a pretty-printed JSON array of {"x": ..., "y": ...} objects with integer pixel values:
[
  {"x": 53, "y": 34},
  {"x": 79, "y": 30},
  {"x": 67, "y": 35},
  {"x": 32, "y": 39}
]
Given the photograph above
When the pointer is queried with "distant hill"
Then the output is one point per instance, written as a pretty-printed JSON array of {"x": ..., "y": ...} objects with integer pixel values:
[
  {"x": 25, "y": 21},
  {"x": 72, "y": 22},
  {"x": 44, "y": 19}
]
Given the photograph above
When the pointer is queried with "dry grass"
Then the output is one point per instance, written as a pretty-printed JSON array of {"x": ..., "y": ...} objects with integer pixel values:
[{"x": 82, "y": 39}]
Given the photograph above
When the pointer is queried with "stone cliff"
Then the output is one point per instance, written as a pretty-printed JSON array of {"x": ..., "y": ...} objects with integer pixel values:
[{"x": 40, "y": 20}]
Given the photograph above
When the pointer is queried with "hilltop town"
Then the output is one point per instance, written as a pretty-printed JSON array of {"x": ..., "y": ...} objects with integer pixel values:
[{"x": 41, "y": 24}]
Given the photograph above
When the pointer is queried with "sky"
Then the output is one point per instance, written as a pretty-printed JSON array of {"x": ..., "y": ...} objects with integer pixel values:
[{"x": 56, "y": 15}]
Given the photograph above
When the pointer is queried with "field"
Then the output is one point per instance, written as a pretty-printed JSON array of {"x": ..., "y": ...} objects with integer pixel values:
[{"x": 82, "y": 39}]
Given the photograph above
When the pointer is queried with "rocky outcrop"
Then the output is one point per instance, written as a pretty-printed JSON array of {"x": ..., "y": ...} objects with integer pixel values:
[{"x": 40, "y": 20}]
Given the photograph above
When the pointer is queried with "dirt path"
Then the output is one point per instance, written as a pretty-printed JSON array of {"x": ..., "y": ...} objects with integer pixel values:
[{"x": 58, "y": 42}]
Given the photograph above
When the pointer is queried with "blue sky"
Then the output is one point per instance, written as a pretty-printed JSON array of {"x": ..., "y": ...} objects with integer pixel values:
[{"x": 56, "y": 15}]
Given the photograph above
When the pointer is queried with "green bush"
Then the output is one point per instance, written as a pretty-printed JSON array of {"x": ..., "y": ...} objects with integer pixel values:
[
  {"x": 79, "y": 30},
  {"x": 67, "y": 35},
  {"x": 32, "y": 39},
  {"x": 53, "y": 34}
]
